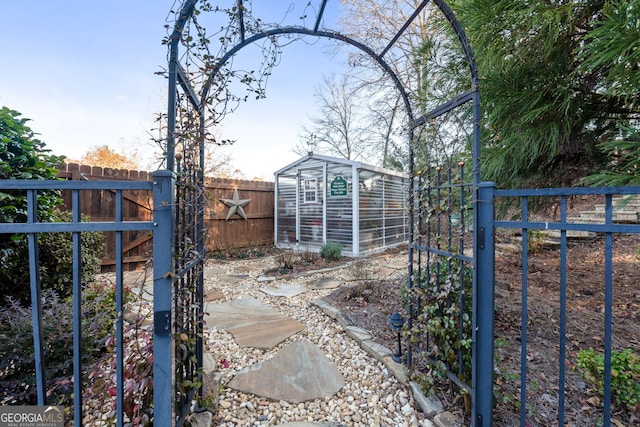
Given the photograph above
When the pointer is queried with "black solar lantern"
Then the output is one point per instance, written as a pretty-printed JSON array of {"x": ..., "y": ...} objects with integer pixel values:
[{"x": 396, "y": 322}]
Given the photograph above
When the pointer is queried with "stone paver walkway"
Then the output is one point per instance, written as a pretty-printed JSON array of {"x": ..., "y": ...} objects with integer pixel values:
[
  {"x": 308, "y": 369},
  {"x": 297, "y": 373},
  {"x": 251, "y": 323}
]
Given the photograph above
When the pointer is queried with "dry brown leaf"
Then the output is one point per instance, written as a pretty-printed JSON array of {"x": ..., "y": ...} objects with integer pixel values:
[{"x": 594, "y": 401}]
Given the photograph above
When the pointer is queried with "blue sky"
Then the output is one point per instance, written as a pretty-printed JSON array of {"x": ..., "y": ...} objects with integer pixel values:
[{"x": 83, "y": 72}]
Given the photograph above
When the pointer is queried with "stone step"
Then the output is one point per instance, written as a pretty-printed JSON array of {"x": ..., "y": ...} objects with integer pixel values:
[
  {"x": 621, "y": 203},
  {"x": 549, "y": 238},
  {"x": 571, "y": 234},
  {"x": 630, "y": 207},
  {"x": 588, "y": 219},
  {"x": 618, "y": 216}
]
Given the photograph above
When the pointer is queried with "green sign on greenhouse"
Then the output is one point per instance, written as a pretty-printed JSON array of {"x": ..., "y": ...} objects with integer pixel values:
[{"x": 339, "y": 187}]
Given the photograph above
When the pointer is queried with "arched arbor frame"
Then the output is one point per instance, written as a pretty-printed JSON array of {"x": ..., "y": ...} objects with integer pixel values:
[{"x": 197, "y": 78}]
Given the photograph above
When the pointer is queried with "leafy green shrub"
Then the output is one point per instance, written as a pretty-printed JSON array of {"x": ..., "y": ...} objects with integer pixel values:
[
  {"x": 138, "y": 377},
  {"x": 56, "y": 252},
  {"x": 56, "y": 261},
  {"x": 623, "y": 167},
  {"x": 22, "y": 156},
  {"x": 625, "y": 375},
  {"x": 331, "y": 251},
  {"x": 535, "y": 240},
  {"x": 17, "y": 369}
]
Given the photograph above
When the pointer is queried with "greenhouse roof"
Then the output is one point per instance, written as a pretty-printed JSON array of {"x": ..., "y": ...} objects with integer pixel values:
[{"x": 358, "y": 165}]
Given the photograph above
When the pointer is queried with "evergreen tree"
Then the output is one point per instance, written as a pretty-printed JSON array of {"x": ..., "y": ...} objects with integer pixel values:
[
  {"x": 612, "y": 52},
  {"x": 558, "y": 79}
]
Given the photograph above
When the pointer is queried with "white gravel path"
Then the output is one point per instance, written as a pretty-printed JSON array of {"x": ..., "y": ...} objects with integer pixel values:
[{"x": 372, "y": 396}]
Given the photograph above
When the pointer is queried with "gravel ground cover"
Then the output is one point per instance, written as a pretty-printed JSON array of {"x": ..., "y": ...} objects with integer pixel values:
[{"x": 371, "y": 396}]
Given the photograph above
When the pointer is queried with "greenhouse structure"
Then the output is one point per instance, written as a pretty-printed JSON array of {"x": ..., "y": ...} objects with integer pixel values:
[{"x": 321, "y": 199}]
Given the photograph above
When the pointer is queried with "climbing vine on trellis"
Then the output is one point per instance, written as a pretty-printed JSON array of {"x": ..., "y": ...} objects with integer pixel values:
[
  {"x": 205, "y": 84},
  {"x": 222, "y": 87}
]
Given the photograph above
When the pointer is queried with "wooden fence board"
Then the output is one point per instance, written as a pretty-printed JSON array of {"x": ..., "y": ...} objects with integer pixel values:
[
  {"x": 222, "y": 234},
  {"x": 99, "y": 205},
  {"x": 237, "y": 232}
]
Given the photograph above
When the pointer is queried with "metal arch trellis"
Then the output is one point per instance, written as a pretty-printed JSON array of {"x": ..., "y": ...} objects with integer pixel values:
[{"x": 199, "y": 97}]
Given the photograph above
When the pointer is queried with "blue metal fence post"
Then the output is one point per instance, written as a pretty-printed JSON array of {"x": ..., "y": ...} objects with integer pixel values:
[
  {"x": 163, "y": 266},
  {"x": 77, "y": 308},
  {"x": 36, "y": 298},
  {"x": 483, "y": 309}
]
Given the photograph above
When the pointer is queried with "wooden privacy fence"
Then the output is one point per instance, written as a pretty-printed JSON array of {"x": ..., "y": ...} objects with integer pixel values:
[
  {"x": 234, "y": 232},
  {"x": 99, "y": 205}
]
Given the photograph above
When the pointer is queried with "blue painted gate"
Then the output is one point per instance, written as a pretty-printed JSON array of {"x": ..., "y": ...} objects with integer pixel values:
[
  {"x": 452, "y": 300},
  {"x": 613, "y": 222}
]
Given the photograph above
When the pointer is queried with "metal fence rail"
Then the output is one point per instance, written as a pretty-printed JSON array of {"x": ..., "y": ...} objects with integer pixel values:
[
  {"x": 32, "y": 227},
  {"x": 523, "y": 199}
]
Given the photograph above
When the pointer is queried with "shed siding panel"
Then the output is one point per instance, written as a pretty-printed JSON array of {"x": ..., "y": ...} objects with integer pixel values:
[{"x": 286, "y": 205}]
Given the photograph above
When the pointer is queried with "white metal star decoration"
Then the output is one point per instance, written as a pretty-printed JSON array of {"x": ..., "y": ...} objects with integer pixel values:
[{"x": 235, "y": 205}]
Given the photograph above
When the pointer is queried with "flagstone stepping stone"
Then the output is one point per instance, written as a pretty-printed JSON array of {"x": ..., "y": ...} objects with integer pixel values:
[
  {"x": 285, "y": 290},
  {"x": 230, "y": 280},
  {"x": 251, "y": 323},
  {"x": 214, "y": 271},
  {"x": 213, "y": 295},
  {"x": 385, "y": 271},
  {"x": 324, "y": 283},
  {"x": 208, "y": 363},
  {"x": 297, "y": 373},
  {"x": 244, "y": 287},
  {"x": 248, "y": 268}
]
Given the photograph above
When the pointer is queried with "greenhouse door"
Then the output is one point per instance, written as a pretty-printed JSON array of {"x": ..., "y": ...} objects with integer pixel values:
[{"x": 311, "y": 198}]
